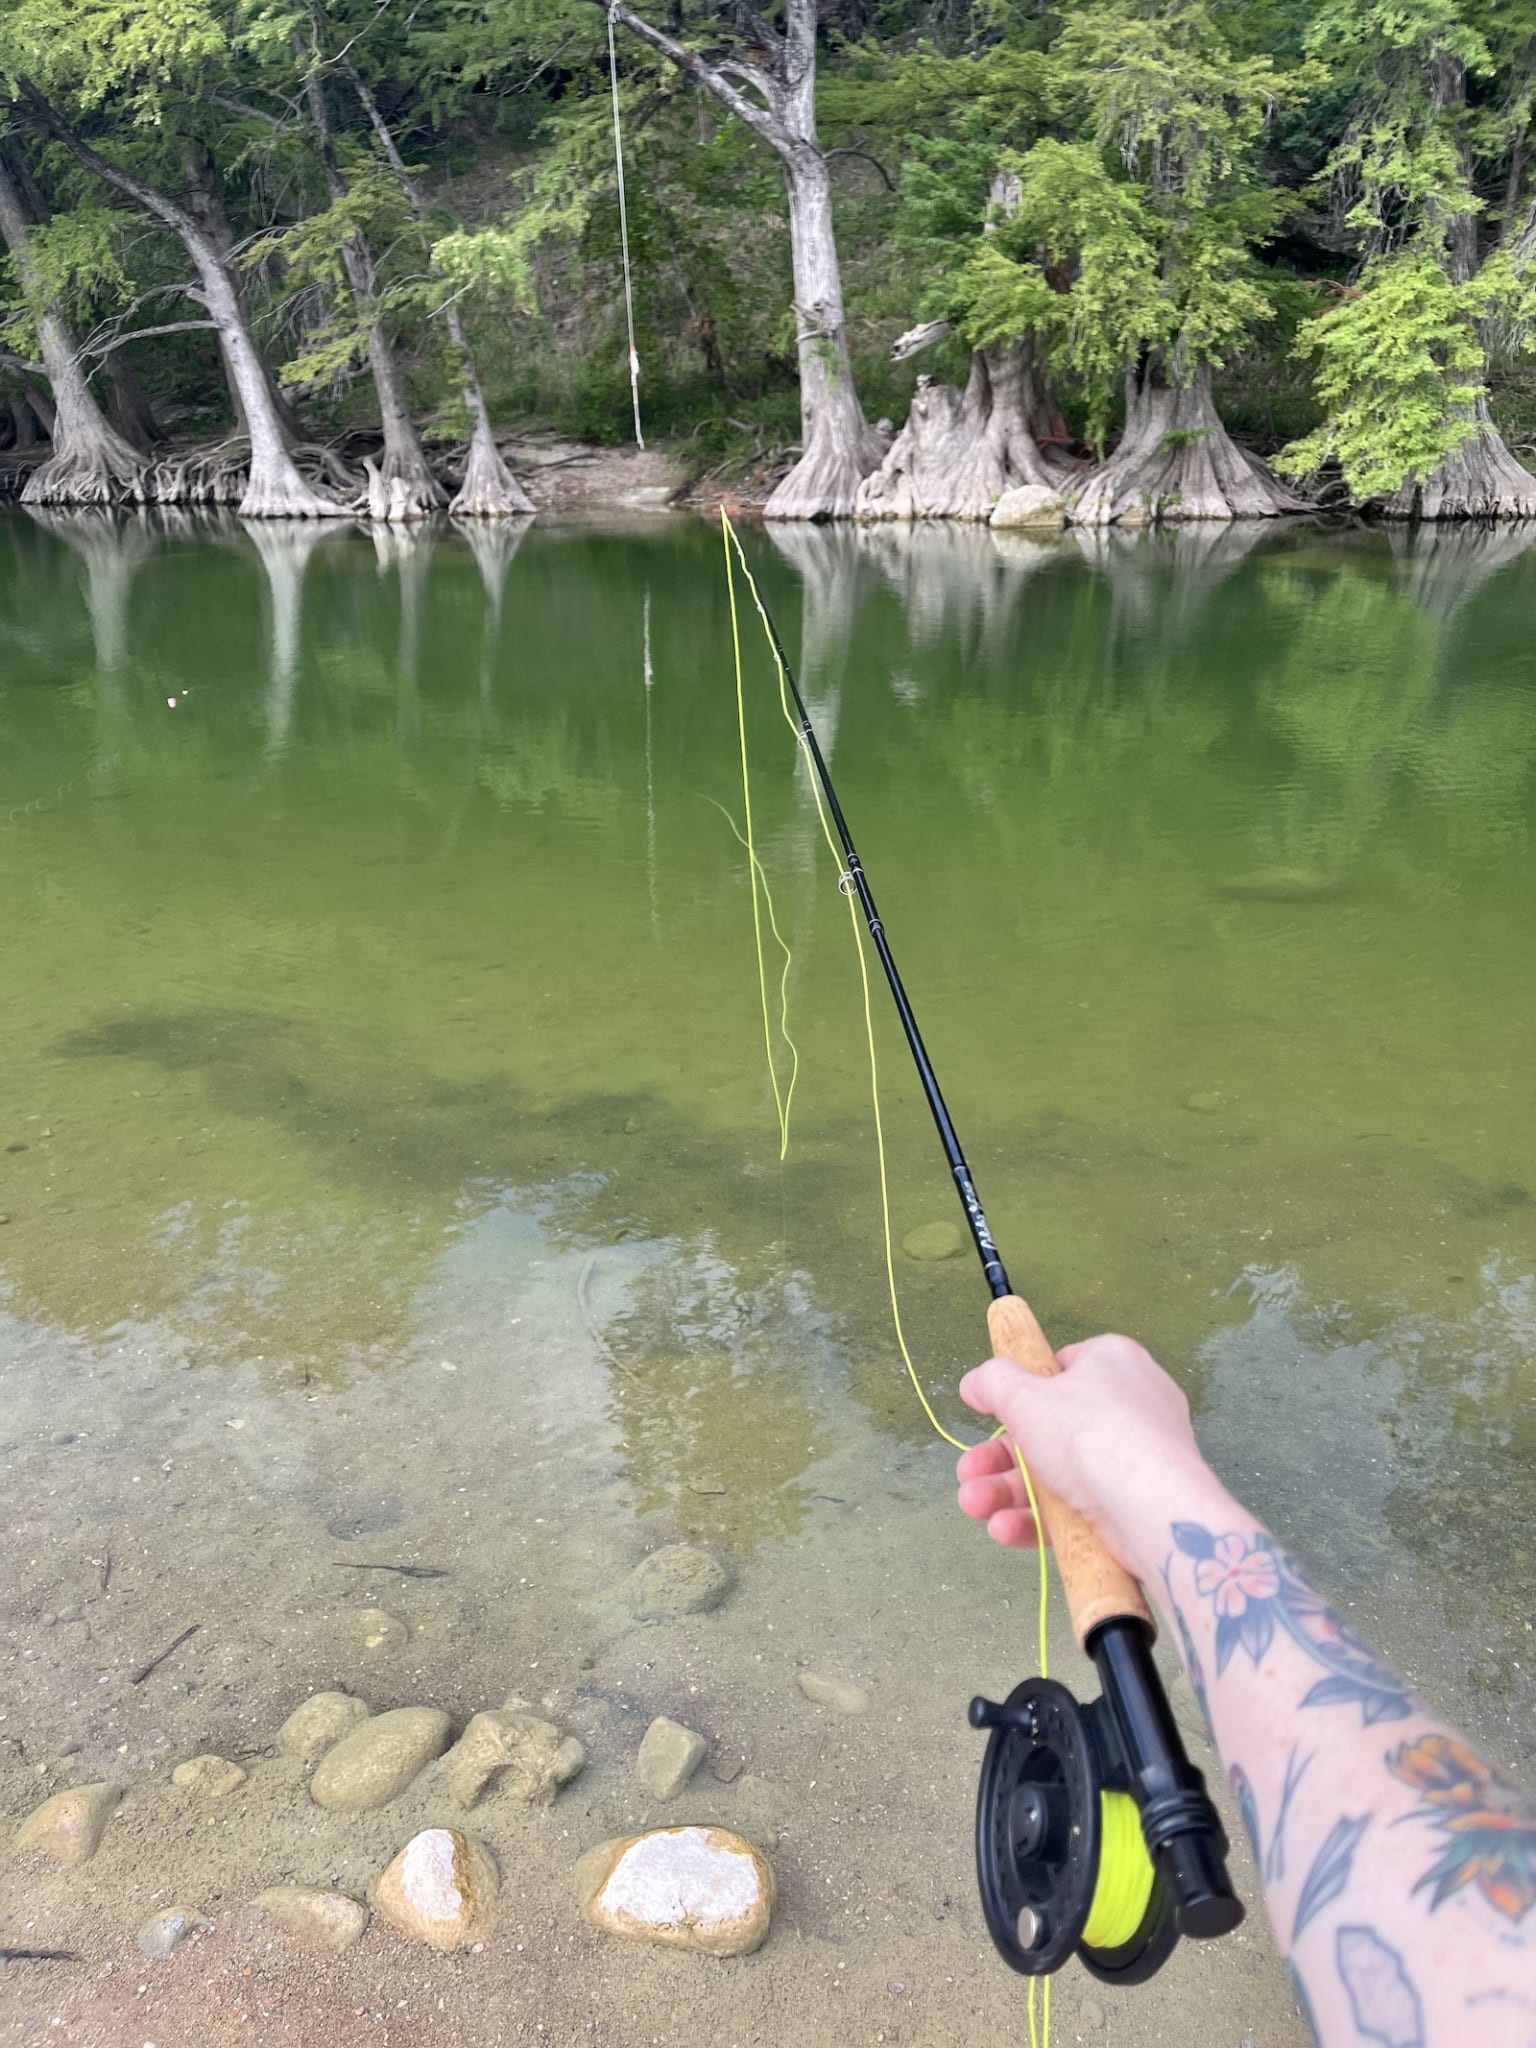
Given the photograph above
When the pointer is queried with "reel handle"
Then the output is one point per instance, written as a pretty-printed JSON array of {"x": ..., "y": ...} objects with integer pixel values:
[{"x": 1098, "y": 1589}]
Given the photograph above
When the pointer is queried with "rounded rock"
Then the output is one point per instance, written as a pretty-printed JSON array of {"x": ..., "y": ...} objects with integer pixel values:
[
  {"x": 69, "y": 1826},
  {"x": 1205, "y": 1102},
  {"x": 375, "y": 1628},
  {"x": 669, "y": 1756},
  {"x": 691, "y": 1887},
  {"x": 326, "y": 1922},
  {"x": 376, "y": 1762},
  {"x": 679, "y": 1579},
  {"x": 168, "y": 1929},
  {"x": 440, "y": 1889},
  {"x": 321, "y": 1721},
  {"x": 212, "y": 1776},
  {"x": 933, "y": 1241},
  {"x": 840, "y": 1694}
]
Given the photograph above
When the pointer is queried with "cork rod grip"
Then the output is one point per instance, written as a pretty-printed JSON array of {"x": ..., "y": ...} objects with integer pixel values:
[{"x": 1097, "y": 1588}]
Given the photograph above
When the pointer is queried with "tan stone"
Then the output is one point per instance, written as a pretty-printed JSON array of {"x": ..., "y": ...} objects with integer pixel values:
[
  {"x": 669, "y": 1756},
  {"x": 933, "y": 1241},
  {"x": 375, "y": 1628},
  {"x": 69, "y": 1826},
  {"x": 324, "y": 1921},
  {"x": 440, "y": 1889},
  {"x": 213, "y": 1776},
  {"x": 680, "y": 1578},
  {"x": 319, "y": 1722},
  {"x": 690, "y": 1887},
  {"x": 1030, "y": 506},
  {"x": 381, "y": 1756},
  {"x": 840, "y": 1694},
  {"x": 536, "y": 1757}
]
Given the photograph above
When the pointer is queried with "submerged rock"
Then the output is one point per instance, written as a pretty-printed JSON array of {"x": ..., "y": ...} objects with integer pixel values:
[
  {"x": 69, "y": 1826},
  {"x": 1282, "y": 885},
  {"x": 321, "y": 1721},
  {"x": 168, "y": 1929},
  {"x": 1205, "y": 1102},
  {"x": 213, "y": 1776},
  {"x": 841, "y": 1694},
  {"x": 536, "y": 1756},
  {"x": 669, "y": 1756},
  {"x": 375, "y": 1628},
  {"x": 376, "y": 1762},
  {"x": 440, "y": 1889},
  {"x": 324, "y": 1921},
  {"x": 679, "y": 1579},
  {"x": 934, "y": 1241},
  {"x": 694, "y": 1887}
]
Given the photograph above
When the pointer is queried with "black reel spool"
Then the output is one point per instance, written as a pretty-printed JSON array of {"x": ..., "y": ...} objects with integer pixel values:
[{"x": 1039, "y": 1836}]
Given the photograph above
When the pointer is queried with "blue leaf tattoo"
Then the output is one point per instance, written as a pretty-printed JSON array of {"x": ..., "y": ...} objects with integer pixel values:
[
  {"x": 1193, "y": 1540},
  {"x": 1274, "y": 1862},
  {"x": 1330, "y": 1870},
  {"x": 1381, "y": 1994}
]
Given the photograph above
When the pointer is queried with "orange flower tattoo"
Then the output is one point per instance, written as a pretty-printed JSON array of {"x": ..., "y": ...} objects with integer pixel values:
[{"x": 1489, "y": 1823}]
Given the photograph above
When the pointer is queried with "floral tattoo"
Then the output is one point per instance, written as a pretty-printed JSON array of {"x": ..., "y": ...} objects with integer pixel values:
[
  {"x": 1489, "y": 1824},
  {"x": 1255, "y": 1589}
]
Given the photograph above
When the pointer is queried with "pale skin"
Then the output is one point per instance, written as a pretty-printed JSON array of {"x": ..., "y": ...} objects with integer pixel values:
[{"x": 1399, "y": 1867}]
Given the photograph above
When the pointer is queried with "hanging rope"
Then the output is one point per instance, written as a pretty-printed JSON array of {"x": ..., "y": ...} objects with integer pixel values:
[{"x": 629, "y": 296}]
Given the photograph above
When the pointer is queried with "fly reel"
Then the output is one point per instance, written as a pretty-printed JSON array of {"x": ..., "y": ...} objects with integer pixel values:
[
  {"x": 1060, "y": 1858},
  {"x": 1094, "y": 1833}
]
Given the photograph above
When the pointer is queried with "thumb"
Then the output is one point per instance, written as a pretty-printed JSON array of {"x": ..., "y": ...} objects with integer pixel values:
[{"x": 1006, "y": 1392}]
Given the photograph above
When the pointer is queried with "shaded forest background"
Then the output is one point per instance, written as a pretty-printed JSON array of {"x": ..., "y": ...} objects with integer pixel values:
[{"x": 318, "y": 256}]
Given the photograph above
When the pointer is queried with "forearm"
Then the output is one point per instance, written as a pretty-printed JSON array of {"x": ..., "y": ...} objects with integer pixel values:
[{"x": 1398, "y": 1868}]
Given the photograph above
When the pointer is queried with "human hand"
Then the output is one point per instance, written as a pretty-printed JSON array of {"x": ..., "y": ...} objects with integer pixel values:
[{"x": 1107, "y": 1430}]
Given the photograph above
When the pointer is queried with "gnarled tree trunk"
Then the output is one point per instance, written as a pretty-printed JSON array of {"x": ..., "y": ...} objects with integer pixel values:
[
  {"x": 274, "y": 488},
  {"x": 838, "y": 446},
  {"x": 960, "y": 450},
  {"x": 489, "y": 489},
  {"x": 91, "y": 463},
  {"x": 1176, "y": 460},
  {"x": 402, "y": 486},
  {"x": 1482, "y": 480}
]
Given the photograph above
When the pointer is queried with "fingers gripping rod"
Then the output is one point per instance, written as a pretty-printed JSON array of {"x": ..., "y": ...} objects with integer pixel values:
[{"x": 1129, "y": 1738}]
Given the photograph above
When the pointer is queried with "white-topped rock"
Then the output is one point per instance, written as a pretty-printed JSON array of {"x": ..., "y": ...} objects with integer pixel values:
[
  {"x": 440, "y": 1889},
  {"x": 691, "y": 1887},
  {"x": 1030, "y": 505}
]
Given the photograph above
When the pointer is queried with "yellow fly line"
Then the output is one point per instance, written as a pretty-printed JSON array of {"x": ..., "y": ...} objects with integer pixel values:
[{"x": 1039, "y": 2019}]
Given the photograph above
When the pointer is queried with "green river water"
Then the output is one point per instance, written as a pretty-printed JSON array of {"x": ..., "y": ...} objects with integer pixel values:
[{"x": 388, "y": 1168}]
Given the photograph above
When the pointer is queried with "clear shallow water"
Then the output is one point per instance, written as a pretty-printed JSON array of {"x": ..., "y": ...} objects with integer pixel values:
[{"x": 377, "y": 995}]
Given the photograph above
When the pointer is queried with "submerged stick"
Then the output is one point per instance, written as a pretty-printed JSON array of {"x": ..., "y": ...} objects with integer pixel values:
[
  {"x": 155, "y": 1662},
  {"x": 406, "y": 1571},
  {"x": 39, "y": 1955}
]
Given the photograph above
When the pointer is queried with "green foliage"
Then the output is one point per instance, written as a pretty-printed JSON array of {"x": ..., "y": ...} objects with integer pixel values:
[{"x": 1399, "y": 370}]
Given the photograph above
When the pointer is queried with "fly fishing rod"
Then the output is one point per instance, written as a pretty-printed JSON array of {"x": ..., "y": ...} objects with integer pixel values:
[{"x": 1095, "y": 1835}]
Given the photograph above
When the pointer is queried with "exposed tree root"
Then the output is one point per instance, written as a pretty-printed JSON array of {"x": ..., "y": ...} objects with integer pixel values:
[
  {"x": 824, "y": 483},
  {"x": 1482, "y": 480},
  {"x": 489, "y": 489},
  {"x": 95, "y": 467},
  {"x": 1177, "y": 461},
  {"x": 960, "y": 450}
]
